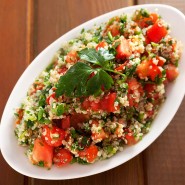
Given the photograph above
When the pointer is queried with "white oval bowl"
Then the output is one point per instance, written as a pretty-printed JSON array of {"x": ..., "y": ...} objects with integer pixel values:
[{"x": 14, "y": 154}]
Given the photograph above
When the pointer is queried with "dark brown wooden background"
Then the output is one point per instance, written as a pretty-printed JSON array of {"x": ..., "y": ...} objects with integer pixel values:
[{"x": 26, "y": 28}]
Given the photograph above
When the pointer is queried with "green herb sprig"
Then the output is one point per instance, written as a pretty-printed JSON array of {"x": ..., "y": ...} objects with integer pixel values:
[{"x": 83, "y": 80}]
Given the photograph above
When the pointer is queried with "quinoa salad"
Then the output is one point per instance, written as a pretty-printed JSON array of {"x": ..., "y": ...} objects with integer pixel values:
[{"x": 100, "y": 93}]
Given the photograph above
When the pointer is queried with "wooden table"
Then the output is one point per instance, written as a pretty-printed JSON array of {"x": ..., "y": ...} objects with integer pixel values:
[{"x": 26, "y": 28}]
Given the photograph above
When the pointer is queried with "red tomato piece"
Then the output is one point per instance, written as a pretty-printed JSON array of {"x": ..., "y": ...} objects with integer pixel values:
[
  {"x": 120, "y": 68},
  {"x": 134, "y": 85},
  {"x": 78, "y": 118},
  {"x": 130, "y": 139},
  {"x": 113, "y": 28},
  {"x": 62, "y": 157},
  {"x": 149, "y": 87},
  {"x": 142, "y": 69},
  {"x": 72, "y": 57},
  {"x": 65, "y": 122},
  {"x": 154, "y": 71},
  {"x": 62, "y": 70},
  {"x": 148, "y": 69},
  {"x": 161, "y": 61},
  {"x": 87, "y": 104},
  {"x": 123, "y": 49},
  {"x": 89, "y": 153},
  {"x": 146, "y": 21},
  {"x": 52, "y": 96},
  {"x": 171, "y": 72},
  {"x": 107, "y": 103},
  {"x": 101, "y": 45},
  {"x": 42, "y": 153},
  {"x": 156, "y": 32},
  {"x": 53, "y": 136}
]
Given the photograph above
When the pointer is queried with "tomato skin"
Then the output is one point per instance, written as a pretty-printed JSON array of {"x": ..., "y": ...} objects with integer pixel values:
[
  {"x": 90, "y": 153},
  {"x": 62, "y": 70},
  {"x": 53, "y": 136},
  {"x": 107, "y": 103},
  {"x": 65, "y": 123},
  {"x": 130, "y": 139},
  {"x": 148, "y": 69},
  {"x": 120, "y": 68},
  {"x": 133, "y": 85},
  {"x": 143, "y": 21},
  {"x": 161, "y": 61},
  {"x": 156, "y": 32},
  {"x": 171, "y": 72},
  {"x": 72, "y": 57},
  {"x": 62, "y": 157},
  {"x": 52, "y": 96},
  {"x": 142, "y": 69},
  {"x": 154, "y": 71},
  {"x": 78, "y": 118},
  {"x": 114, "y": 29},
  {"x": 102, "y": 44},
  {"x": 42, "y": 152},
  {"x": 123, "y": 49}
]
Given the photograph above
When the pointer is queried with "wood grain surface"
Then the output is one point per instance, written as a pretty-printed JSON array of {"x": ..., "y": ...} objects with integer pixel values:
[{"x": 26, "y": 28}]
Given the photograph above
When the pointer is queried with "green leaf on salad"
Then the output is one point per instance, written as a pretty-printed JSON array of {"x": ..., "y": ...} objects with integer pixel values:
[{"x": 77, "y": 82}]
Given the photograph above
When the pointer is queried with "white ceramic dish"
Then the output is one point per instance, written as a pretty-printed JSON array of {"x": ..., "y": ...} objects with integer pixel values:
[{"x": 14, "y": 154}]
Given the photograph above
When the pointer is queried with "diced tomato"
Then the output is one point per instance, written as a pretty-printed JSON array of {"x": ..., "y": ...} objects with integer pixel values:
[
  {"x": 161, "y": 61},
  {"x": 113, "y": 28},
  {"x": 86, "y": 104},
  {"x": 154, "y": 71},
  {"x": 171, "y": 72},
  {"x": 148, "y": 69},
  {"x": 72, "y": 57},
  {"x": 107, "y": 103},
  {"x": 52, "y": 96},
  {"x": 144, "y": 22},
  {"x": 149, "y": 87},
  {"x": 78, "y": 118},
  {"x": 134, "y": 85},
  {"x": 142, "y": 69},
  {"x": 89, "y": 153},
  {"x": 53, "y": 136},
  {"x": 62, "y": 70},
  {"x": 62, "y": 157},
  {"x": 156, "y": 32},
  {"x": 130, "y": 139},
  {"x": 102, "y": 44},
  {"x": 65, "y": 122},
  {"x": 92, "y": 105},
  {"x": 42, "y": 153},
  {"x": 123, "y": 49},
  {"x": 20, "y": 116},
  {"x": 150, "y": 113},
  {"x": 120, "y": 68},
  {"x": 95, "y": 106}
]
